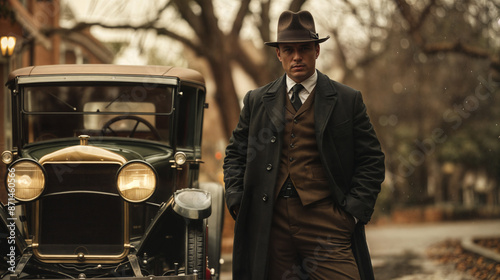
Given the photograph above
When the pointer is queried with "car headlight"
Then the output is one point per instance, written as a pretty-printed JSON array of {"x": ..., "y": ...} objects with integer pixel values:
[
  {"x": 193, "y": 203},
  {"x": 136, "y": 181},
  {"x": 25, "y": 180}
]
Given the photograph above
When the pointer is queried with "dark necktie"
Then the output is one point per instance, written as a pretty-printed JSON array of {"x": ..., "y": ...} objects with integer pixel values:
[{"x": 295, "y": 96}]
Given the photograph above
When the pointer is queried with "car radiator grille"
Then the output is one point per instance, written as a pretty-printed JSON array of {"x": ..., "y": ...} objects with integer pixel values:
[{"x": 81, "y": 211}]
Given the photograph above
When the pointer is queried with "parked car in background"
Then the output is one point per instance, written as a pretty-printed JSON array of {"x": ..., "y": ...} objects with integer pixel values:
[{"x": 102, "y": 178}]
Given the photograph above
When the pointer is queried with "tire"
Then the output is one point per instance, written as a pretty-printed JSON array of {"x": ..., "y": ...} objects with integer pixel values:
[
  {"x": 195, "y": 251},
  {"x": 215, "y": 225}
]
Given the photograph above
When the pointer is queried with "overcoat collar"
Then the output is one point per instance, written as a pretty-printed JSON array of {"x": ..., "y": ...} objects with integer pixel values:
[
  {"x": 325, "y": 100},
  {"x": 274, "y": 103},
  {"x": 324, "y": 103}
]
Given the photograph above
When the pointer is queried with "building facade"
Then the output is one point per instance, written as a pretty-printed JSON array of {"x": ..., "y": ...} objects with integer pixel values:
[{"x": 40, "y": 40}]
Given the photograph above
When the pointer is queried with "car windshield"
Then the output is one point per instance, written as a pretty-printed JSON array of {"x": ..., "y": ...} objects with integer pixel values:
[{"x": 106, "y": 109}]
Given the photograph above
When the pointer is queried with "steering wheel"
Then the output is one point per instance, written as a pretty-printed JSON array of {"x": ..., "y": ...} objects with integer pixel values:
[{"x": 107, "y": 126}]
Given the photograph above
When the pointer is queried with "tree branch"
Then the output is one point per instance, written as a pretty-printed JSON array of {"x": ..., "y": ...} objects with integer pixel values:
[
  {"x": 265, "y": 21},
  {"x": 415, "y": 22},
  {"x": 161, "y": 10},
  {"x": 405, "y": 10},
  {"x": 457, "y": 47},
  {"x": 424, "y": 14},
  {"x": 186, "y": 41},
  {"x": 146, "y": 26},
  {"x": 240, "y": 16},
  {"x": 340, "y": 50},
  {"x": 296, "y": 5},
  {"x": 189, "y": 16}
]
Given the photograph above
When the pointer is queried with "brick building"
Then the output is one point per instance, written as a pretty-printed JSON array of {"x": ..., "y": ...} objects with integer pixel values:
[{"x": 40, "y": 41}]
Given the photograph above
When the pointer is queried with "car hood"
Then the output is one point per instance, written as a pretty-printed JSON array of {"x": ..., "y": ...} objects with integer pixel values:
[{"x": 103, "y": 150}]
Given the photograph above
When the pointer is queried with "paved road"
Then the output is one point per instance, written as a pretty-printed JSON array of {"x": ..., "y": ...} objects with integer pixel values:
[
  {"x": 398, "y": 251},
  {"x": 396, "y": 239}
]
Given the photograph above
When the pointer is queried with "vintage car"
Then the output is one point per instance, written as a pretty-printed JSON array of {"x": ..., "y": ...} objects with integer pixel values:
[{"x": 102, "y": 176}]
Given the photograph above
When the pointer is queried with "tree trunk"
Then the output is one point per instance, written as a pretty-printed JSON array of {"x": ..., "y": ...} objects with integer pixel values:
[{"x": 225, "y": 95}]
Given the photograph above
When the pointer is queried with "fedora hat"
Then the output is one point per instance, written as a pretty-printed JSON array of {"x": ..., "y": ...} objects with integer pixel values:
[{"x": 296, "y": 28}]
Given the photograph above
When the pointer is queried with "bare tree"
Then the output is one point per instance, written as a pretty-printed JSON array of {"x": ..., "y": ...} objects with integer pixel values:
[
  {"x": 418, "y": 63},
  {"x": 482, "y": 16},
  {"x": 219, "y": 48},
  {"x": 387, "y": 48}
]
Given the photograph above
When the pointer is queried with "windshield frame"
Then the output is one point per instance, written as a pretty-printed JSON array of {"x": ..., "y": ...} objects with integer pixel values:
[{"x": 108, "y": 80}]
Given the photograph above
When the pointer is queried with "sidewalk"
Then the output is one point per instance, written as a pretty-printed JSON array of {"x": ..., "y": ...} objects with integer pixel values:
[{"x": 399, "y": 251}]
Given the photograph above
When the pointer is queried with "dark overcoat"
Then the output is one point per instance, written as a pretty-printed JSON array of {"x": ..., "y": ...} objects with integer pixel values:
[{"x": 350, "y": 153}]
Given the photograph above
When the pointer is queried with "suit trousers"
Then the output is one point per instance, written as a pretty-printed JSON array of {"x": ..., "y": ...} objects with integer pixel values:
[{"x": 311, "y": 242}]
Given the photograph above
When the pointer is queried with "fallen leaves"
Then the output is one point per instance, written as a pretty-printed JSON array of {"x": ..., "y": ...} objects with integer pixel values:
[{"x": 451, "y": 252}]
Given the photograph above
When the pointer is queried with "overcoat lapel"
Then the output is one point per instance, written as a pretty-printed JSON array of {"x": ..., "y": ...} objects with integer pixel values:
[
  {"x": 274, "y": 104},
  {"x": 324, "y": 104},
  {"x": 325, "y": 101}
]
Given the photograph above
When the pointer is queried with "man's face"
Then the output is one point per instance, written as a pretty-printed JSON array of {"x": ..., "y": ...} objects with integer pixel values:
[{"x": 298, "y": 59}]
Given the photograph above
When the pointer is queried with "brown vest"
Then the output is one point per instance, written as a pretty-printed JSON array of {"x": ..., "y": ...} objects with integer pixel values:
[{"x": 300, "y": 156}]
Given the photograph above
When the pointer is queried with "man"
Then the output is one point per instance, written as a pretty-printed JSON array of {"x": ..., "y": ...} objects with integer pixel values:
[{"x": 302, "y": 170}]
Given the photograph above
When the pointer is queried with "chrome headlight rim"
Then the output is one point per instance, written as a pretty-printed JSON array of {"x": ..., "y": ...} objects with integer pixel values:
[
  {"x": 193, "y": 203},
  {"x": 127, "y": 164},
  {"x": 12, "y": 170}
]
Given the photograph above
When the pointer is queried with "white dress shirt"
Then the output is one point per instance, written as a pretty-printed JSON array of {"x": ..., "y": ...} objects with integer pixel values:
[{"x": 309, "y": 85}]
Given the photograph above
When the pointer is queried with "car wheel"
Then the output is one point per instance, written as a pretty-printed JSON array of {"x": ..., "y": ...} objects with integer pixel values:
[
  {"x": 215, "y": 226},
  {"x": 195, "y": 254}
]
